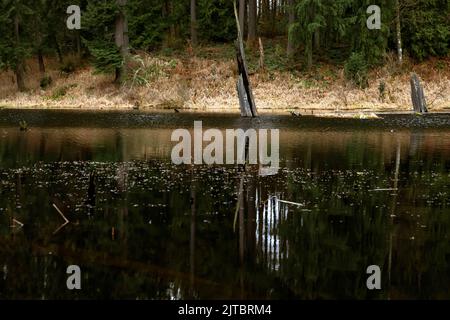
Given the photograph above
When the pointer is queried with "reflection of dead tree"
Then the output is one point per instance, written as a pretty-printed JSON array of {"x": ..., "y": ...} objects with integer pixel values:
[
  {"x": 192, "y": 237},
  {"x": 91, "y": 196},
  {"x": 122, "y": 177},
  {"x": 122, "y": 185},
  {"x": 247, "y": 240},
  {"x": 393, "y": 207},
  {"x": 251, "y": 218},
  {"x": 416, "y": 139},
  {"x": 241, "y": 239}
]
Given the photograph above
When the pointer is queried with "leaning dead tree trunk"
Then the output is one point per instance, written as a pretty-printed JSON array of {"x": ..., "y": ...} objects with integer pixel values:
[
  {"x": 246, "y": 99},
  {"x": 417, "y": 95}
]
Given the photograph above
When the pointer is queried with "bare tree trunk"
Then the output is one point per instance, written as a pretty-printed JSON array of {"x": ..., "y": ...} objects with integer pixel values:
[
  {"x": 19, "y": 65},
  {"x": 41, "y": 61},
  {"x": 317, "y": 40},
  {"x": 399, "y": 33},
  {"x": 252, "y": 16},
  {"x": 242, "y": 16},
  {"x": 121, "y": 39},
  {"x": 193, "y": 23},
  {"x": 39, "y": 51},
  {"x": 172, "y": 29},
  {"x": 309, "y": 52},
  {"x": 309, "y": 46},
  {"x": 273, "y": 18},
  {"x": 290, "y": 46},
  {"x": 78, "y": 44},
  {"x": 58, "y": 50}
]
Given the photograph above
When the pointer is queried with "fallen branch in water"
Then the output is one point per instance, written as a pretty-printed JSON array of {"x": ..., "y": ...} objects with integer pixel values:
[
  {"x": 290, "y": 202},
  {"x": 15, "y": 221},
  {"x": 386, "y": 189},
  {"x": 66, "y": 221}
]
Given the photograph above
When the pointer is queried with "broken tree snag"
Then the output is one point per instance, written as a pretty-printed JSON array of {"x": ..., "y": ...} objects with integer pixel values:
[
  {"x": 246, "y": 99},
  {"x": 417, "y": 95},
  {"x": 261, "y": 55}
]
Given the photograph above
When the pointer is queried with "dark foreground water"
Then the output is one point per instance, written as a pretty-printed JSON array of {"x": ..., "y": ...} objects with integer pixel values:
[{"x": 374, "y": 192}]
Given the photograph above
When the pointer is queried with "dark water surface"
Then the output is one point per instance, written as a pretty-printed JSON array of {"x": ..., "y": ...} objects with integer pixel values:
[{"x": 374, "y": 192}]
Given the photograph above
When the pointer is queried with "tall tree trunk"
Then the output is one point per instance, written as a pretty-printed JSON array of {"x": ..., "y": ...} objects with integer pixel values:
[
  {"x": 242, "y": 17},
  {"x": 78, "y": 44},
  {"x": 19, "y": 64},
  {"x": 58, "y": 50},
  {"x": 265, "y": 15},
  {"x": 399, "y": 33},
  {"x": 290, "y": 46},
  {"x": 193, "y": 23},
  {"x": 309, "y": 51},
  {"x": 41, "y": 61},
  {"x": 39, "y": 50},
  {"x": 172, "y": 29},
  {"x": 252, "y": 16},
  {"x": 273, "y": 18},
  {"x": 317, "y": 40},
  {"x": 309, "y": 46},
  {"x": 121, "y": 39}
]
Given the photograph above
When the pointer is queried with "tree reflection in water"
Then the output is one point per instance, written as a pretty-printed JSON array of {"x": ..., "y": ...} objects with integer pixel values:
[{"x": 141, "y": 227}]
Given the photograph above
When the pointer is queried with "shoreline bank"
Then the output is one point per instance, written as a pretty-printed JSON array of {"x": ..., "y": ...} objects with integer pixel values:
[
  {"x": 208, "y": 84},
  {"x": 351, "y": 114}
]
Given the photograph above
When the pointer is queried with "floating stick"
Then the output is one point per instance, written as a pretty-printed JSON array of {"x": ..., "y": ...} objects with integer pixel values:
[{"x": 66, "y": 221}]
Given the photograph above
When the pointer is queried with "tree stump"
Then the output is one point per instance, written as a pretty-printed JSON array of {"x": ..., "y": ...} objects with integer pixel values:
[
  {"x": 417, "y": 95},
  {"x": 246, "y": 110}
]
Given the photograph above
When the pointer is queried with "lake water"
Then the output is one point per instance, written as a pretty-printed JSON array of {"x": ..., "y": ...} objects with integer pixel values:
[{"x": 373, "y": 192}]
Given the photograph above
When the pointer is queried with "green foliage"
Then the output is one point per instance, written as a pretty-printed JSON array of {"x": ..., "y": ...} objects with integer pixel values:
[
  {"x": 60, "y": 92},
  {"x": 68, "y": 66},
  {"x": 356, "y": 69},
  {"x": 146, "y": 28},
  {"x": 99, "y": 19},
  {"x": 371, "y": 43},
  {"x": 427, "y": 31},
  {"x": 11, "y": 51},
  {"x": 145, "y": 70},
  {"x": 45, "y": 82},
  {"x": 325, "y": 31},
  {"x": 217, "y": 22},
  {"x": 106, "y": 56},
  {"x": 382, "y": 90}
]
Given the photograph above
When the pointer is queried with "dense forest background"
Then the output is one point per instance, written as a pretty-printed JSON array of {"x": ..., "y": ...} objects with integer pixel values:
[{"x": 307, "y": 32}]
